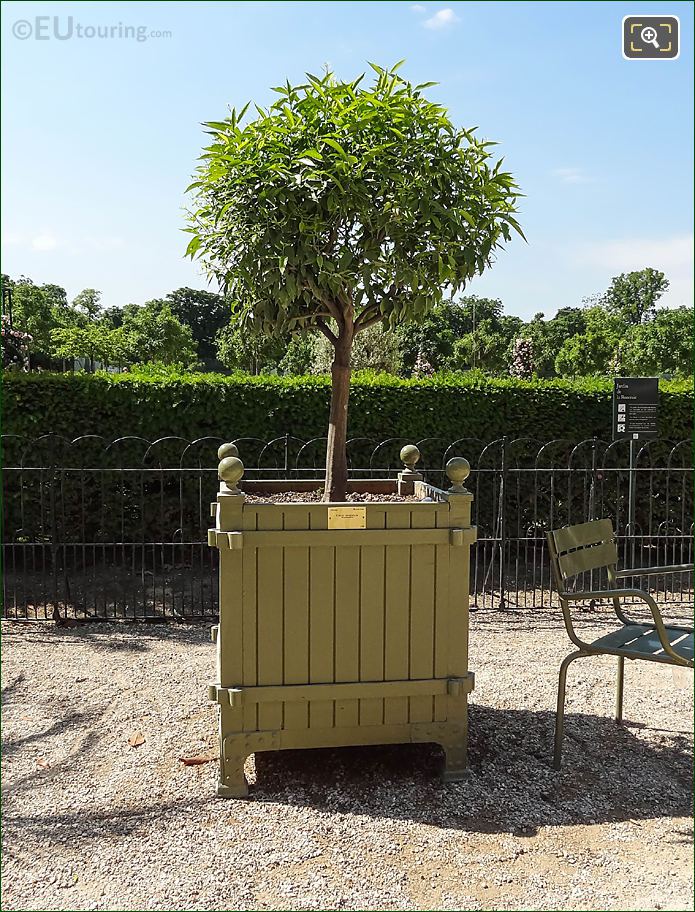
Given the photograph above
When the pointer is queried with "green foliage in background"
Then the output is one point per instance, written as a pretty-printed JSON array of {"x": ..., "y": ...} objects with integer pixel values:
[
  {"x": 158, "y": 402},
  {"x": 601, "y": 338}
]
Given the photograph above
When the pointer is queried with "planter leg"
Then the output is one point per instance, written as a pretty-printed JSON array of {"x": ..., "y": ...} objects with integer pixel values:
[
  {"x": 454, "y": 761},
  {"x": 232, "y": 782},
  {"x": 238, "y": 789}
]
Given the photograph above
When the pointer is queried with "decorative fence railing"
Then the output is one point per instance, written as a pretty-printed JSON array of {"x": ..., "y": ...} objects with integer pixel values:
[{"x": 110, "y": 529}]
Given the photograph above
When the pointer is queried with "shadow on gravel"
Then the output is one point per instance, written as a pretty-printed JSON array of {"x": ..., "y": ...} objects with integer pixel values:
[
  {"x": 69, "y": 827},
  {"x": 550, "y": 618},
  {"x": 64, "y": 727},
  {"x": 107, "y": 636},
  {"x": 608, "y": 775},
  {"x": 61, "y": 726},
  {"x": 9, "y": 691}
]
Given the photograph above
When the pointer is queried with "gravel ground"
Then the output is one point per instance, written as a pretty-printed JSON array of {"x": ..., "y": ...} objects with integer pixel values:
[{"x": 91, "y": 822}]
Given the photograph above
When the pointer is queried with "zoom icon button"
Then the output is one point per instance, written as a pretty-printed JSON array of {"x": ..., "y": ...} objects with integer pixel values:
[{"x": 651, "y": 37}]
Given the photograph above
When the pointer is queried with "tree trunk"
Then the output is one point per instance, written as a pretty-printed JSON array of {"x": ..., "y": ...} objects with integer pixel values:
[{"x": 336, "y": 455}]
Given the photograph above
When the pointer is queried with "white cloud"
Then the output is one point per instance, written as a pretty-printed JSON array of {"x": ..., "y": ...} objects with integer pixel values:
[
  {"x": 44, "y": 242},
  {"x": 571, "y": 176},
  {"x": 672, "y": 255},
  {"x": 105, "y": 243},
  {"x": 442, "y": 19},
  {"x": 418, "y": 8},
  {"x": 12, "y": 239},
  {"x": 636, "y": 253}
]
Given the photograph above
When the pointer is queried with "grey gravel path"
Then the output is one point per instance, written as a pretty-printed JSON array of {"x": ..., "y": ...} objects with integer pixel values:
[{"x": 91, "y": 822}]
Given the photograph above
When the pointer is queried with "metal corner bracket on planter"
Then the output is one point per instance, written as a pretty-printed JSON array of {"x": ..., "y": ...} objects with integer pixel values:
[{"x": 341, "y": 624}]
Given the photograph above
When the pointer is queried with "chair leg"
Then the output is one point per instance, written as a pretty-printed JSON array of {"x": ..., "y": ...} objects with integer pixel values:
[
  {"x": 619, "y": 690},
  {"x": 560, "y": 716}
]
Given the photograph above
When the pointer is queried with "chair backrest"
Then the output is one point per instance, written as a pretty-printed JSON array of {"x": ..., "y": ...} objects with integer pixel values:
[{"x": 587, "y": 546}]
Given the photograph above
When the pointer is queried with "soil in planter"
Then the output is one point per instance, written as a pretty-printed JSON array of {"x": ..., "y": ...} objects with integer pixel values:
[{"x": 317, "y": 497}]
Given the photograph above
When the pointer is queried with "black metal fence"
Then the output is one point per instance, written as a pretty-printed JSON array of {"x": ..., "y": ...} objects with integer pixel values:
[{"x": 111, "y": 529}]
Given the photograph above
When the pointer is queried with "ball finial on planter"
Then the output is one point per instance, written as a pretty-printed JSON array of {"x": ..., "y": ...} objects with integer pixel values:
[
  {"x": 410, "y": 455},
  {"x": 227, "y": 449},
  {"x": 231, "y": 468},
  {"x": 458, "y": 469}
]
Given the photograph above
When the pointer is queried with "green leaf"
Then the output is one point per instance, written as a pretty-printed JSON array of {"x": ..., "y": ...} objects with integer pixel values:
[
  {"x": 334, "y": 144},
  {"x": 193, "y": 246}
]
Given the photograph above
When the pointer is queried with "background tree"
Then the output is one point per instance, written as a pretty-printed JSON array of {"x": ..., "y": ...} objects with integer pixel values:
[
  {"x": 86, "y": 304},
  {"x": 205, "y": 313},
  {"x": 341, "y": 207},
  {"x": 664, "y": 345},
  {"x": 32, "y": 314},
  {"x": 485, "y": 336},
  {"x": 242, "y": 348},
  {"x": 113, "y": 316},
  {"x": 430, "y": 339},
  {"x": 154, "y": 334},
  {"x": 376, "y": 349},
  {"x": 300, "y": 355},
  {"x": 567, "y": 322},
  {"x": 596, "y": 350},
  {"x": 632, "y": 296},
  {"x": 55, "y": 296},
  {"x": 95, "y": 342},
  {"x": 454, "y": 332}
]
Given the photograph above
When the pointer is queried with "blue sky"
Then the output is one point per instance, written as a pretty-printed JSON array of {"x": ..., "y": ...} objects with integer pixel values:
[{"x": 101, "y": 135}]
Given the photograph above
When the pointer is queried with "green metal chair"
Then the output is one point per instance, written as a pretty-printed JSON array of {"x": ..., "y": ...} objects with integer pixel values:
[{"x": 591, "y": 546}]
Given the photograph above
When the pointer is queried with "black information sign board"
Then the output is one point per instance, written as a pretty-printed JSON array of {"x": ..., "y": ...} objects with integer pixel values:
[{"x": 635, "y": 407}]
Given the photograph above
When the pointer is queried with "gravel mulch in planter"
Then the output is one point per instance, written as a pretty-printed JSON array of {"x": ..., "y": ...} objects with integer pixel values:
[
  {"x": 317, "y": 497},
  {"x": 99, "y": 812}
]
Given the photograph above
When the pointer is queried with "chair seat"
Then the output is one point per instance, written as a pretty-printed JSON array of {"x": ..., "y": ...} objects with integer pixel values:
[{"x": 642, "y": 641}]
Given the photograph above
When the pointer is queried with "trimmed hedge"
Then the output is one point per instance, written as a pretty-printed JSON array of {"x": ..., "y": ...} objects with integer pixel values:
[{"x": 197, "y": 405}]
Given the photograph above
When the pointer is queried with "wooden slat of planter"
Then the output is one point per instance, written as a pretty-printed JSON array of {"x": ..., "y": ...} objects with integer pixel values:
[
  {"x": 296, "y": 620},
  {"x": 249, "y": 622},
  {"x": 321, "y": 631},
  {"x": 317, "y": 509},
  {"x": 457, "y": 643},
  {"x": 372, "y": 622},
  {"x": 421, "y": 617},
  {"x": 351, "y": 537},
  {"x": 409, "y": 507},
  {"x": 396, "y": 627},
  {"x": 346, "y": 691},
  {"x": 270, "y": 608},
  {"x": 347, "y": 629},
  {"x": 441, "y": 618},
  {"x": 231, "y": 611},
  {"x": 316, "y": 513}
]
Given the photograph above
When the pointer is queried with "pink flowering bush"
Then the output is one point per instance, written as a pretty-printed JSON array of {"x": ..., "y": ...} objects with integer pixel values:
[{"x": 15, "y": 347}]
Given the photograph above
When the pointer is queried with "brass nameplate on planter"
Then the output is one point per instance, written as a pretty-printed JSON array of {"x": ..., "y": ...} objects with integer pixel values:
[{"x": 347, "y": 517}]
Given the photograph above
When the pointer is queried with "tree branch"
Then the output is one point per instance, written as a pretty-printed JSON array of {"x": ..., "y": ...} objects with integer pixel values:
[
  {"x": 359, "y": 327},
  {"x": 330, "y": 305},
  {"x": 331, "y": 336},
  {"x": 367, "y": 314}
]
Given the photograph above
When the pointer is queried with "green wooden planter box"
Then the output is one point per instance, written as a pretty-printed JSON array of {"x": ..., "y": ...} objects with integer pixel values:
[{"x": 341, "y": 624}]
